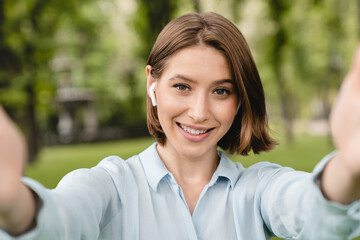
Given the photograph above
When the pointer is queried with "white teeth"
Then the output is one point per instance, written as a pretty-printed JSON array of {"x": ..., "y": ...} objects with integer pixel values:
[{"x": 192, "y": 131}]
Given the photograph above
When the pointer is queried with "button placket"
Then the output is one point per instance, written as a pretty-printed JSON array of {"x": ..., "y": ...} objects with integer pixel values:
[{"x": 185, "y": 212}]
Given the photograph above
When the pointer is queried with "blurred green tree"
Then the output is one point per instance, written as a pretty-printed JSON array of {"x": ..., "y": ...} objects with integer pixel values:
[
  {"x": 31, "y": 34},
  {"x": 151, "y": 17},
  {"x": 320, "y": 48},
  {"x": 303, "y": 56},
  {"x": 278, "y": 10}
]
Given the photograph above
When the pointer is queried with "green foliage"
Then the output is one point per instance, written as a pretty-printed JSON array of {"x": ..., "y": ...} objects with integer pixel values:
[
  {"x": 150, "y": 19},
  {"x": 106, "y": 44},
  {"x": 310, "y": 43},
  {"x": 33, "y": 34}
]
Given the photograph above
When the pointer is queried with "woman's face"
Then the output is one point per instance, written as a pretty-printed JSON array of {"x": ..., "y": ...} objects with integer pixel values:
[{"x": 196, "y": 101}]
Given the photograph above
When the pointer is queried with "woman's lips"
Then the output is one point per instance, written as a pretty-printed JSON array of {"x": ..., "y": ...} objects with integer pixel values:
[{"x": 194, "y": 134}]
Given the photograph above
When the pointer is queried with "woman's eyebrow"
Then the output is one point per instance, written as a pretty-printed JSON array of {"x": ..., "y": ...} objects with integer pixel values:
[
  {"x": 187, "y": 79},
  {"x": 219, "y": 82},
  {"x": 181, "y": 77}
]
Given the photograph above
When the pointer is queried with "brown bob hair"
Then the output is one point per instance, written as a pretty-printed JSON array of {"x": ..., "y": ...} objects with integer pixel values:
[{"x": 249, "y": 130}]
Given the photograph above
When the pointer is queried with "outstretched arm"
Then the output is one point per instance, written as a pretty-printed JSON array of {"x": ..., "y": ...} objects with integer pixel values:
[
  {"x": 340, "y": 181},
  {"x": 17, "y": 202}
]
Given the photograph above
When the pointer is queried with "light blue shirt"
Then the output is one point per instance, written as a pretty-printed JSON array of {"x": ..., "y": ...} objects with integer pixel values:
[{"x": 140, "y": 199}]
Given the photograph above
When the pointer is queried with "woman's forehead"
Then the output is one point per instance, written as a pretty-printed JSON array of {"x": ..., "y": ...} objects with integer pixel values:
[{"x": 198, "y": 61}]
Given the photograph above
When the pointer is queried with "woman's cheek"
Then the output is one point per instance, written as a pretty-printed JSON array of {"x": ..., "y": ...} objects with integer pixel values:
[
  {"x": 170, "y": 105},
  {"x": 225, "y": 110}
]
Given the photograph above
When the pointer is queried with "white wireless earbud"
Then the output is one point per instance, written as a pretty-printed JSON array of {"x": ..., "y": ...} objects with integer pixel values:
[{"x": 152, "y": 93}]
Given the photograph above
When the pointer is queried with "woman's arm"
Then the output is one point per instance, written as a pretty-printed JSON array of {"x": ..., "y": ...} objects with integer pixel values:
[
  {"x": 340, "y": 181},
  {"x": 17, "y": 202}
]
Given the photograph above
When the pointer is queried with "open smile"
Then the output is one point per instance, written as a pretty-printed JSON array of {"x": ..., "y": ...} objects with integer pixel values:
[{"x": 194, "y": 131}]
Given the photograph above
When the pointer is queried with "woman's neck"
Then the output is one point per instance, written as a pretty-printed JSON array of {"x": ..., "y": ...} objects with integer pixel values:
[
  {"x": 191, "y": 173},
  {"x": 187, "y": 169}
]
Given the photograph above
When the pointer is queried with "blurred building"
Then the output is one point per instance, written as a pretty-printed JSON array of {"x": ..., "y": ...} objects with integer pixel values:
[{"x": 77, "y": 118}]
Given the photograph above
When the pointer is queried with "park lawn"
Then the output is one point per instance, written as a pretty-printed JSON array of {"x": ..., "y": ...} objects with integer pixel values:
[
  {"x": 55, "y": 161},
  {"x": 303, "y": 154}
]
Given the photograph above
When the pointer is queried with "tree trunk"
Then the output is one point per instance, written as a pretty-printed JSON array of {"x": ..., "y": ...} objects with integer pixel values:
[
  {"x": 31, "y": 124},
  {"x": 197, "y": 6},
  {"x": 277, "y": 9},
  {"x": 287, "y": 107}
]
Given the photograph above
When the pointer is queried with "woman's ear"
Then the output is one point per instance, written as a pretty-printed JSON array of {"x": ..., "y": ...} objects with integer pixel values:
[{"x": 151, "y": 85}]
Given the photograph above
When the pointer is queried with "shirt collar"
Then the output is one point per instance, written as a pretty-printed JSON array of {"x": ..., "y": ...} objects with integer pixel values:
[
  {"x": 228, "y": 169},
  {"x": 155, "y": 169}
]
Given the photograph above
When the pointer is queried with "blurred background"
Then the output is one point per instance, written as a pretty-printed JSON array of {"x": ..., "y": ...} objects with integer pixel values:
[{"x": 72, "y": 73}]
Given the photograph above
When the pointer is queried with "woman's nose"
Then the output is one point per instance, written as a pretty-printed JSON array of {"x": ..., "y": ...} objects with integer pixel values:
[{"x": 199, "y": 109}]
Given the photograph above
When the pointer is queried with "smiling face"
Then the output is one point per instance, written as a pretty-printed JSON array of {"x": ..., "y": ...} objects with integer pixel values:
[{"x": 196, "y": 101}]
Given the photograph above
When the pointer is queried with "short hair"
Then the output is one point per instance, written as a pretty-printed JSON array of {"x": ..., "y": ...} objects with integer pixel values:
[{"x": 249, "y": 130}]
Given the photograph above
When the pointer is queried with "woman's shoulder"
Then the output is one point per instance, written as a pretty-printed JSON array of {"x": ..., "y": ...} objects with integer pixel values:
[
  {"x": 265, "y": 169},
  {"x": 117, "y": 166},
  {"x": 112, "y": 162}
]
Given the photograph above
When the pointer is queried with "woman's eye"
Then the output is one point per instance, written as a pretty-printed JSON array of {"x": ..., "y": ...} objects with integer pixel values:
[
  {"x": 181, "y": 87},
  {"x": 221, "y": 92}
]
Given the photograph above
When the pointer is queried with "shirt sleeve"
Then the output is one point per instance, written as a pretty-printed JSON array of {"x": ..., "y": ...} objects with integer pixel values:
[
  {"x": 293, "y": 206},
  {"x": 84, "y": 201}
]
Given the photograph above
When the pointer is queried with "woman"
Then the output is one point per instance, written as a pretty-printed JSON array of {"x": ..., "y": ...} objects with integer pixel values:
[{"x": 204, "y": 91}]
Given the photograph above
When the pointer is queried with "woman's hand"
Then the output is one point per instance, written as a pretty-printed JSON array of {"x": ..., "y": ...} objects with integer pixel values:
[
  {"x": 345, "y": 118},
  {"x": 17, "y": 203},
  {"x": 340, "y": 180},
  {"x": 12, "y": 158}
]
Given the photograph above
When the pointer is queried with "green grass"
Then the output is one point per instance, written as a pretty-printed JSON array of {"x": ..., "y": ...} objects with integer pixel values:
[
  {"x": 303, "y": 154},
  {"x": 54, "y": 162}
]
